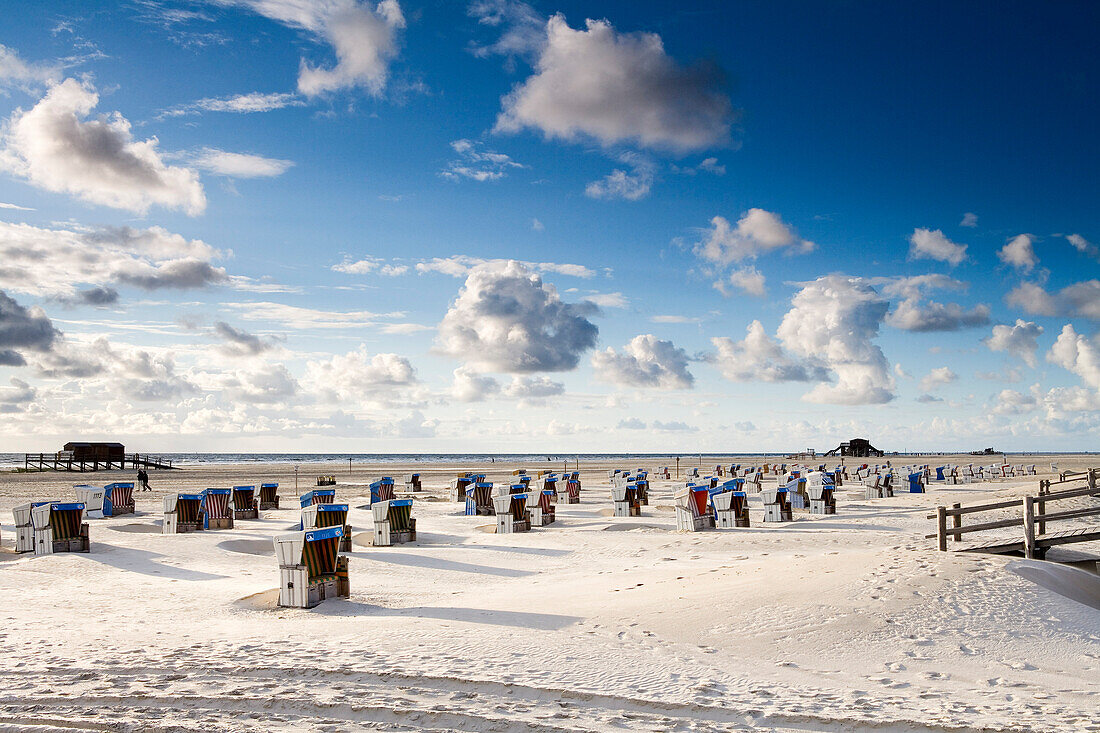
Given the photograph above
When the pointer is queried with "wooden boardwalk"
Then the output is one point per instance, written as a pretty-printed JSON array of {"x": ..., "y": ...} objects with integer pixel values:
[
  {"x": 1034, "y": 540},
  {"x": 64, "y": 462}
]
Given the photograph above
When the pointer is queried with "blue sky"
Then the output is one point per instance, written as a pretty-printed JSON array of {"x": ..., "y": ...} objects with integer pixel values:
[{"x": 438, "y": 226}]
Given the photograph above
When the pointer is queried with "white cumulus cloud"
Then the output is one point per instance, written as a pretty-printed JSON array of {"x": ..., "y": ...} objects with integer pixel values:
[
  {"x": 645, "y": 361},
  {"x": 55, "y": 146},
  {"x": 927, "y": 244},
  {"x": 1019, "y": 252},
  {"x": 1019, "y": 340}
]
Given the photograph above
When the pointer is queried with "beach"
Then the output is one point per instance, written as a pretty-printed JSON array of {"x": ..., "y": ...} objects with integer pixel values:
[{"x": 852, "y": 621}]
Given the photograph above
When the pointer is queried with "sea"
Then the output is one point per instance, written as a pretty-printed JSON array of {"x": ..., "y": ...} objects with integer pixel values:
[{"x": 9, "y": 461}]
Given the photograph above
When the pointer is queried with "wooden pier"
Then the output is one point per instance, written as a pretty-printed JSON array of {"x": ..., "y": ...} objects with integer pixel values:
[
  {"x": 1033, "y": 519},
  {"x": 66, "y": 461}
]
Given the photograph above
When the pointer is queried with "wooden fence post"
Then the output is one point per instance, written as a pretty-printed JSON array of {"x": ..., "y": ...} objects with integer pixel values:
[
  {"x": 1029, "y": 528},
  {"x": 941, "y": 527},
  {"x": 958, "y": 523}
]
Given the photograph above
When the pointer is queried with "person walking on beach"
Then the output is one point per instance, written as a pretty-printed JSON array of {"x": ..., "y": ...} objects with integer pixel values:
[{"x": 143, "y": 479}]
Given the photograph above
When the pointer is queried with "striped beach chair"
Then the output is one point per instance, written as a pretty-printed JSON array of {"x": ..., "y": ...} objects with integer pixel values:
[
  {"x": 183, "y": 513},
  {"x": 512, "y": 513},
  {"x": 479, "y": 499},
  {"x": 797, "y": 496},
  {"x": 624, "y": 495},
  {"x": 777, "y": 504},
  {"x": 550, "y": 483},
  {"x": 244, "y": 503},
  {"x": 319, "y": 516},
  {"x": 382, "y": 490},
  {"x": 542, "y": 508},
  {"x": 118, "y": 499},
  {"x": 24, "y": 527},
  {"x": 59, "y": 527},
  {"x": 459, "y": 484},
  {"x": 822, "y": 498},
  {"x": 731, "y": 506},
  {"x": 691, "y": 508},
  {"x": 393, "y": 522},
  {"x": 641, "y": 485},
  {"x": 311, "y": 568},
  {"x": 217, "y": 507},
  {"x": 573, "y": 488},
  {"x": 317, "y": 496},
  {"x": 269, "y": 496}
]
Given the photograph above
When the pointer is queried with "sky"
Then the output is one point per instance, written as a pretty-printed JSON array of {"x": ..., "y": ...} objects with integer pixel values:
[{"x": 497, "y": 226}]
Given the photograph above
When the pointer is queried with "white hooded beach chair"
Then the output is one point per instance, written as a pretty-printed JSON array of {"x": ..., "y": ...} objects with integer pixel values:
[
  {"x": 691, "y": 508},
  {"x": 59, "y": 527},
  {"x": 393, "y": 522},
  {"x": 511, "y": 513},
  {"x": 311, "y": 568}
]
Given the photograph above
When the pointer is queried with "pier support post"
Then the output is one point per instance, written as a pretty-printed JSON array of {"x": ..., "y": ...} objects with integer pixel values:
[{"x": 1029, "y": 527}]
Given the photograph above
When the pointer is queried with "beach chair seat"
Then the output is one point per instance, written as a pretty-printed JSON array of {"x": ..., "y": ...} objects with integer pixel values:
[
  {"x": 550, "y": 483},
  {"x": 624, "y": 495},
  {"x": 92, "y": 497},
  {"x": 641, "y": 486},
  {"x": 183, "y": 513},
  {"x": 916, "y": 483},
  {"x": 822, "y": 499},
  {"x": 382, "y": 490},
  {"x": 479, "y": 499},
  {"x": 319, "y": 516},
  {"x": 269, "y": 496},
  {"x": 393, "y": 522},
  {"x": 459, "y": 484},
  {"x": 777, "y": 504},
  {"x": 573, "y": 490},
  {"x": 691, "y": 508},
  {"x": 317, "y": 496},
  {"x": 412, "y": 482},
  {"x": 797, "y": 497},
  {"x": 118, "y": 498},
  {"x": 59, "y": 527},
  {"x": 24, "y": 526},
  {"x": 731, "y": 508},
  {"x": 217, "y": 506},
  {"x": 511, "y": 513},
  {"x": 244, "y": 503},
  {"x": 542, "y": 509},
  {"x": 311, "y": 569}
]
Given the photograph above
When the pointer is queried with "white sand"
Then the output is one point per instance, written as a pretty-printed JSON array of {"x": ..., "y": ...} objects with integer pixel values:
[{"x": 852, "y": 622}]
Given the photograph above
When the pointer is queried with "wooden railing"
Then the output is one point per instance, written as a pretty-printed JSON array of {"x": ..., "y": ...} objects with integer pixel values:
[{"x": 1033, "y": 517}]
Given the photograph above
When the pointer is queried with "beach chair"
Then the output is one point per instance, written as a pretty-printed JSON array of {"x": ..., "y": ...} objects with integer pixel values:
[
  {"x": 512, "y": 514},
  {"x": 797, "y": 496},
  {"x": 326, "y": 480},
  {"x": 459, "y": 485},
  {"x": 520, "y": 472},
  {"x": 244, "y": 503},
  {"x": 719, "y": 470},
  {"x": 24, "y": 527},
  {"x": 663, "y": 473},
  {"x": 479, "y": 499},
  {"x": 217, "y": 507},
  {"x": 183, "y": 513},
  {"x": 550, "y": 483},
  {"x": 319, "y": 516},
  {"x": 731, "y": 508},
  {"x": 624, "y": 494},
  {"x": 59, "y": 527},
  {"x": 1031, "y": 470},
  {"x": 382, "y": 490},
  {"x": 777, "y": 505},
  {"x": 92, "y": 497},
  {"x": 412, "y": 482},
  {"x": 641, "y": 485},
  {"x": 118, "y": 498},
  {"x": 752, "y": 482},
  {"x": 319, "y": 496},
  {"x": 311, "y": 568},
  {"x": 822, "y": 500},
  {"x": 916, "y": 483},
  {"x": 393, "y": 522},
  {"x": 269, "y": 496},
  {"x": 872, "y": 486},
  {"x": 693, "y": 473},
  {"x": 542, "y": 509},
  {"x": 573, "y": 489},
  {"x": 691, "y": 509}
]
